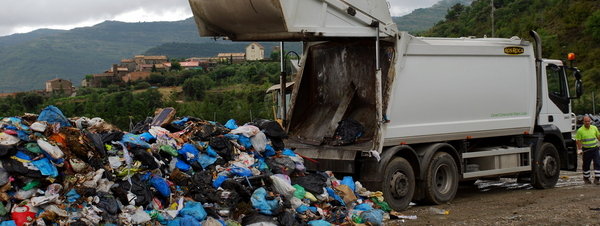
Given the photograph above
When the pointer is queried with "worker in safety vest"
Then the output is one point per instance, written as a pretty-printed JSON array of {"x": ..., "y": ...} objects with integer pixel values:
[{"x": 587, "y": 144}]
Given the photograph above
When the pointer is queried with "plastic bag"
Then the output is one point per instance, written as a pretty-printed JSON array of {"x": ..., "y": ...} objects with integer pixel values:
[
  {"x": 161, "y": 186},
  {"x": 231, "y": 124},
  {"x": 6, "y": 139},
  {"x": 246, "y": 130},
  {"x": 282, "y": 187},
  {"x": 52, "y": 114},
  {"x": 206, "y": 160},
  {"x": 259, "y": 141},
  {"x": 348, "y": 181},
  {"x": 193, "y": 209},
  {"x": 265, "y": 206},
  {"x": 134, "y": 140},
  {"x": 319, "y": 223},
  {"x": 346, "y": 193},
  {"x": 244, "y": 141},
  {"x": 45, "y": 167},
  {"x": 374, "y": 216}
]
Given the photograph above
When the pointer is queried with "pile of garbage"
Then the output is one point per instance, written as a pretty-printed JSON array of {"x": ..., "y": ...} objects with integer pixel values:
[{"x": 167, "y": 170}]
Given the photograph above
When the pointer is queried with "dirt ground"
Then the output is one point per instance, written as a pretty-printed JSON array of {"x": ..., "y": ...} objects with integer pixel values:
[{"x": 506, "y": 202}]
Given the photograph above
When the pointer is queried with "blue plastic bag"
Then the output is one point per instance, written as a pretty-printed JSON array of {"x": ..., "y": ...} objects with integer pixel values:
[
  {"x": 206, "y": 160},
  {"x": 193, "y": 209},
  {"x": 260, "y": 202},
  {"x": 134, "y": 140},
  {"x": 374, "y": 216},
  {"x": 8, "y": 223},
  {"x": 72, "y": 196},
  {"x": 231, "y": 124},
  {"x": 232, "y": 136},
  {"x": 363, "y": 207},
  {"x": 288, "y": 152},
  {"x": 334, "y": 195},
  {"x": 319, "y": 223},
  {"x": 52, "y": 114},
  {"x": 269, "y": 151},
  {"x": 147, "y": 137},
  {"x": 188, "y": 148},
  {"x": 240, "y": 171},
  {"x": 46, "y": 167},
  {"x": 302, "y": 208},
  {"x": 211, "y": 152},
  {"x": 220, "y": 179},
  {"x": 161, "y": 186},
  {"x": 182, "y": 165},
  {"x": 245, "y": 141},
  {"x": 181, "y": 122},
  {"x": 348, "y": 181}
]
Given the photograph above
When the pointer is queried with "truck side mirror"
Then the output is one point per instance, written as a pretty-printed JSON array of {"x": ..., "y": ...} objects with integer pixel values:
[
  {"x": 578, "y": 88},
  {"x": 577, "y": 74}
]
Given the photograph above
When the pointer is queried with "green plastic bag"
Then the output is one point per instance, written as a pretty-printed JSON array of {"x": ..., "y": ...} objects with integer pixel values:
[
  {"x": 3, "y": 210},
  {"x": 31, "y": 185},
  {"x": 169, "y": 149},
  {"x": 382, "y": 205},
  {"x": 33, "y": 147},
  {"x": 300, "y": 192}
]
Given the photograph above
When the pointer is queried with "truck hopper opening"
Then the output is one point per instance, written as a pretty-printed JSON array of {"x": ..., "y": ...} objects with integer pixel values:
[{"x": 337, "y": 83}]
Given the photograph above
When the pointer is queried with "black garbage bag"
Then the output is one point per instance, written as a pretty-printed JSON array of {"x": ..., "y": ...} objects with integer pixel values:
[
  {"x": 142, "y": 126},
  {"x": 314, "y": 183},
  {"x": 137, "y": 187},
  {"x": 222, "y": 146},
  {"x": 258, "y": 218},
  {"x": 271, "y": 128},
  {"x": 107, "y": 138},
  {"x": 347, "y": 132},
  {"x": 7, "y": 150},
  {"x": 237, "y": 187},
  {"x": 146, "y": 158},
  {"x": 281, "y": 165},
  {"x": 288, "y": 218},
  {"x": 108, "y": 204},
  {"x": 277, "y": 143},
  {"x": 98, "y": 143},
  {"x": 201, "y": 188},
  {"x": 15, "y": 167}
]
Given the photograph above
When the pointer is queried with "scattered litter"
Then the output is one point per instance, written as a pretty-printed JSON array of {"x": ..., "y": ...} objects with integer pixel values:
[{"x": 171, "y": 170}]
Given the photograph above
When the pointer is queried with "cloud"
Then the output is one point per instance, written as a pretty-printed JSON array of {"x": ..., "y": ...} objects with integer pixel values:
[
  {"x": 403, "y": 7},
  {"x": 27, "y": 15},
  {"x": 56, "y": 13}
]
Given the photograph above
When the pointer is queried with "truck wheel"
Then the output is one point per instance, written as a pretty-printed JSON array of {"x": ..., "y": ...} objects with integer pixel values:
[
  {"x": 398, "y": 184},
  {"x": 441, "y": 181},
  {"x": 546, "y": 167}
]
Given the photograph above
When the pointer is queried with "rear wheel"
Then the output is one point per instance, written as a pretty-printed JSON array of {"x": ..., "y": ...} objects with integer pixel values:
[
  {"x": 546, "y": 167},
  {"x": 441, "y": 182},
  {"x": 399, "y": 183}
]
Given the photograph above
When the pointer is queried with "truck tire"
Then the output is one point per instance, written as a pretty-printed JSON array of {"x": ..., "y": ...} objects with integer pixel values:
[
  {"x": 398, "y": 183},
  {"x": 441, "y": 181},
  {"x": 545, "y": 167}
]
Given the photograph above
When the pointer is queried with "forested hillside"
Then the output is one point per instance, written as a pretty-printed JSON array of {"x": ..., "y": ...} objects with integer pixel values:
[
  {"x": 28, "y": 60},
  {"x": 564, "y": 25},
  {"x": 424, "y": 18}
]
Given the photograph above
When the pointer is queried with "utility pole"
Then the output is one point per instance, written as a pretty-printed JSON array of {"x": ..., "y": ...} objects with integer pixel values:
[{"x": 493, "y": 28}]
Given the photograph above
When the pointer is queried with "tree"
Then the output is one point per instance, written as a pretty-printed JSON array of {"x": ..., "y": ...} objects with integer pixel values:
[
  {"x": 195, "y": 88},
  {"x": 175, "y": 66},
  {"x": 31, "y": 100},
  {"x": 592, "y": 25}
]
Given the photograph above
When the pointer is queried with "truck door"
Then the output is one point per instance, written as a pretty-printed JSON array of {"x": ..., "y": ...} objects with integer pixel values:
[{"x": 556, "y": 109}]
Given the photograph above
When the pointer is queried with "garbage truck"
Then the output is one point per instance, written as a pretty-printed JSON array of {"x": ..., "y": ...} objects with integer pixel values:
[{"x": 432, "y": 111}]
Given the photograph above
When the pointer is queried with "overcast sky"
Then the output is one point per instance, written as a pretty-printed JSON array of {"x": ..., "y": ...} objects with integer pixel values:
[{"x": 23, "y": 16}]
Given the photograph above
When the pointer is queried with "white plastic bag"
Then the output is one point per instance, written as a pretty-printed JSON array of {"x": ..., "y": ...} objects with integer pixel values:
[
  {"x": 282, "y": 187},
  {"x": 246, "y": 130},
  {"x": 52, "y": 150},
  {"x": 259, "y": 141}
]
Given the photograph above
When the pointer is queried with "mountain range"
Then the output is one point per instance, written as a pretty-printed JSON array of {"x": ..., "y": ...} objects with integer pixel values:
[{"x": 28, "y": 60}]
